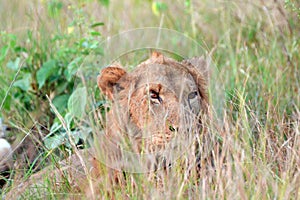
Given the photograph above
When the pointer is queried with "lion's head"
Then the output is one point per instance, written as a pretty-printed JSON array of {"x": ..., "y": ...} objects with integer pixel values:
[{"x": 156, "y": 100}]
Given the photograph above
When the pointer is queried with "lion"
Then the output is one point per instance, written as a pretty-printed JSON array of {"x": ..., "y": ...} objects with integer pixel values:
[
  {"x": 155, "y": 101},
  {"x": 161, "y": 99}
]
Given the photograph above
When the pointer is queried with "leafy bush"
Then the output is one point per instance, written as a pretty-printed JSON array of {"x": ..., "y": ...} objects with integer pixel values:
[{"x": 46, "y": 66}]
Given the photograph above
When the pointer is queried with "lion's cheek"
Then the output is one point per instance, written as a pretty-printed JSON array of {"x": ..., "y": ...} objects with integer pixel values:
[{"x": 139, "y": 113}]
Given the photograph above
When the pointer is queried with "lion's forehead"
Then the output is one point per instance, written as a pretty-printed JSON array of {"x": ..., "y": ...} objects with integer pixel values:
[{"x": 174, "y": 79}]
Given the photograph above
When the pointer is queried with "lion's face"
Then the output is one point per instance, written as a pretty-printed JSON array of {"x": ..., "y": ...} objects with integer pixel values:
[{"x": 154, "y": 102}]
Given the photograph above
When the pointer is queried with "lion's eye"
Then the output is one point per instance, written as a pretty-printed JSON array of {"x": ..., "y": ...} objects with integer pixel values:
[
  {"x": 154, "y": 97},
  {"x": 192, "y": 95},
  {"x": 118, "y": 87},
  {"x": 193, "y": 101}
]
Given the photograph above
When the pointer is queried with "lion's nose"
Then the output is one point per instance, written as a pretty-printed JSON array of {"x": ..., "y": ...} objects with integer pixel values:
[{"x": 173, "y": 128}]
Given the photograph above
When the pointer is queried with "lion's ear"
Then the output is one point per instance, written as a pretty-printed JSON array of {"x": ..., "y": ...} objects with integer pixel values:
[
  {"x": 201, "y": 64},
  {"x": 108, "y": 78}
]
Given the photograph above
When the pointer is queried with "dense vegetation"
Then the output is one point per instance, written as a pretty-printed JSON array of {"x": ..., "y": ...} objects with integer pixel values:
[{"x": 254, "y": 44}]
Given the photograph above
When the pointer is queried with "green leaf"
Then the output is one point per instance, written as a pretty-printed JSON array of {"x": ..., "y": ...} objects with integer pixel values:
[
  {"x": 95, "y": 33},
  {"x": 73, "y": 67},
  {"x": 85, "y": 133},
  {"x": 61, "y": 87},
  {"x": 97, "y": 24},
  {"x": 82, "y": 134},
  {"x": 77, "y": 102},
  {"x": 24, "y": 83},
  {"x": 75, "y": 136},
  {"x": 55, "y": 127},
  {"x": 45, "y": 72},
  {"x": 56, "y": 140},
  {"x": 69, "y": 119},
  {"x": 14, "y": 65},
  {"x": 61, "y": 102},
  {"x": 3, "y": 52}
]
